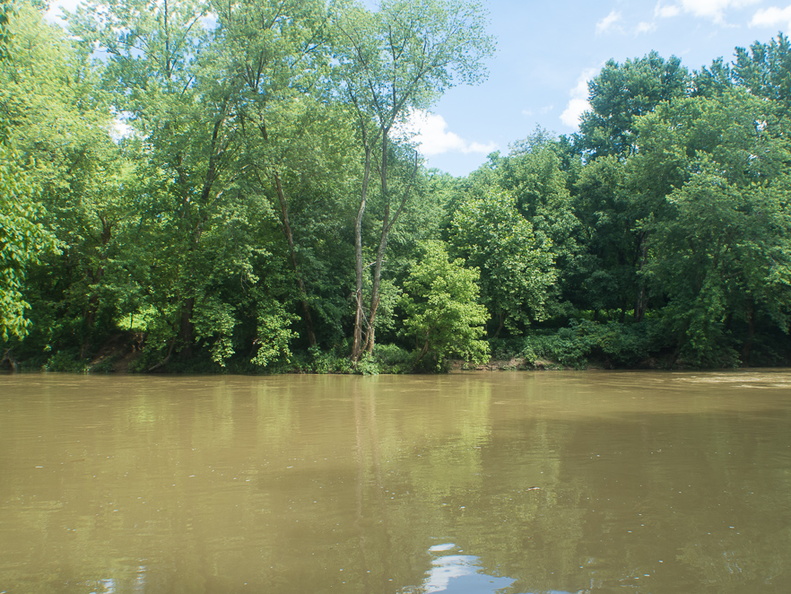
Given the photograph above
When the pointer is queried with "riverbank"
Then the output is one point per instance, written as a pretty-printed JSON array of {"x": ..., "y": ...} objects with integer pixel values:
[
  {"x": 580, "y": 345},
  {"x": 122, "y": 356}
]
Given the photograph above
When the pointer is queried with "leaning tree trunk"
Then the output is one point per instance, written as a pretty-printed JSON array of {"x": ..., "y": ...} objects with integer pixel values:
[
  {"x": 359, "y": 314},
  {"x": 388, "y": 221}
]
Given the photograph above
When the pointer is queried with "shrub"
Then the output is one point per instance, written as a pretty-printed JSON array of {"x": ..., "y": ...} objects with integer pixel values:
[{"x": 443, "y": 315}]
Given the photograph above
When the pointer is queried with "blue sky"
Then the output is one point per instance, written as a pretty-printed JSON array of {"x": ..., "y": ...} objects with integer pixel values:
[{"x": 549, "y": 49}]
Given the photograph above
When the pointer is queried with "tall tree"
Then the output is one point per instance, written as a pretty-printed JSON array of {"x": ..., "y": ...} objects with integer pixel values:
[
  {"x": 180, "y": 102},
  {"x": 622, "y": 92},
  {"x": 718, "y": 252},
  {"x": 765, "y": 69},
  {"x": 393, "y": 61},
  {"x": 292, "y": 134},
  {"x": 607, "y": 280},
  {"x": 58, "y": 131},
  {"x": 23, "y": 241},
  {"x": 533, "y": 172},
  {"x": 516, "y": 270}
]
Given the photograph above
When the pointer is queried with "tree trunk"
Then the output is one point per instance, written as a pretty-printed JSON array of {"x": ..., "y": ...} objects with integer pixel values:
[
  {"x": 359, "y": 315},
  {"x": 370, "y": 338},
  {"x": 387, "y": 224},
  {"x": 500, "y": 324},
  {"x": 186, "y": 328},
  {"x": 641, "y": 301},
  {"x": 748, "y": 343}
]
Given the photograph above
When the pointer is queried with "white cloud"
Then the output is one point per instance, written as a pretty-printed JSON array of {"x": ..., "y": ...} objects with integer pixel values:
[
  {"x": 712, "y": 9},
  {"x": 447, "y": 568},
  {"x": 608, "y": 22},
  {"x": 573, "y": 112},
  {"x": 614, "y": 22},
  {"x": 644, "y": 27},
  {"x": 772, "y": 17},
  {"x": 430, "y": 132},
  {"x": 666, "y": 11},
  {"x": 578, "y": 104}
]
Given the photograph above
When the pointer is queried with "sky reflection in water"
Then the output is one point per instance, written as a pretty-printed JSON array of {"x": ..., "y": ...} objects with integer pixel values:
[{"x": 454, "y": 573}]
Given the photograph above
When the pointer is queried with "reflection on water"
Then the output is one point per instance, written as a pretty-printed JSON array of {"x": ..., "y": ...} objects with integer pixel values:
[
  {"x": 455, "y": 573},
  {"x": 512, "y": 483},
  {"x": 459, "y": 574}
]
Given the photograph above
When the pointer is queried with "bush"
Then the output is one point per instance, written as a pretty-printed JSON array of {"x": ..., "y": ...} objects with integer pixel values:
[
  {"x": 391, "y": 358},
  {"x": 318, "y": 361},
  {"x": 614, "y": 344},
  {"x": 67, "y": 361}
]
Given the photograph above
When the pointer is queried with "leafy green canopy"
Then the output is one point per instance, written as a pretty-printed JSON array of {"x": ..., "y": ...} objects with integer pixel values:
[
  {"x": 23, "y": 242},
  {"x": 443, "y": 315},
  {"x": 224, "y": 184},
  {"x": 623, "y": 92},
  {"x": 720, "y": 252},
  {"x": 517, "y": 270}
]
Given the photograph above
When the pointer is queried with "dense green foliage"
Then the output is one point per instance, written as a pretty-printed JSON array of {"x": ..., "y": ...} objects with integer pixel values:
[
  {"x": 199, "y": 185},
  {"x": 443, "y": 315}
]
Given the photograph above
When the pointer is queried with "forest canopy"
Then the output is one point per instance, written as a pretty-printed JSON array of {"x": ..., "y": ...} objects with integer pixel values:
[{"x": 198, "y": 185}]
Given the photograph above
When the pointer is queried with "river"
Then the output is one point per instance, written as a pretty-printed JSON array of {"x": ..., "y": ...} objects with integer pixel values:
[{"x": 509, "y": 482}]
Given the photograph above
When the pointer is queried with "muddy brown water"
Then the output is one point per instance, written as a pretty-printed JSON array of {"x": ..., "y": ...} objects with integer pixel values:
[{"x": 505, "y": 482}]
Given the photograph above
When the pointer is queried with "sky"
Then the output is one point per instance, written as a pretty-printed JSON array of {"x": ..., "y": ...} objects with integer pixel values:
[{"x": 547, "y": 51}]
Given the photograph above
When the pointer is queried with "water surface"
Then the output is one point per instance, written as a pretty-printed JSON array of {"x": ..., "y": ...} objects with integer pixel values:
[{"x": 499, "y": 482}]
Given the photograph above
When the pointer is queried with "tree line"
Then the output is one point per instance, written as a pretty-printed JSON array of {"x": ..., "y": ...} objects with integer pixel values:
[{"x": 207, "y": 185}]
